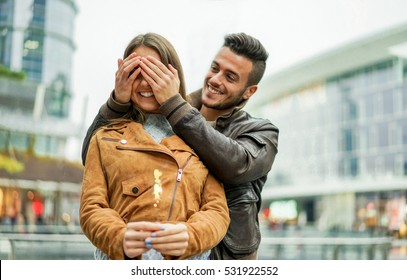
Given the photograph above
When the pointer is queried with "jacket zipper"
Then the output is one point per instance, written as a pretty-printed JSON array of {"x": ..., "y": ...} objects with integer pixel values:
[{"x": 179, "y": 176}]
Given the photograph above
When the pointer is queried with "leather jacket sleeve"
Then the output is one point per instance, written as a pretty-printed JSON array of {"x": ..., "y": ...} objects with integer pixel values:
[
  {"x": 240, "y": 152},
  {"x": 108, "y": 111}
]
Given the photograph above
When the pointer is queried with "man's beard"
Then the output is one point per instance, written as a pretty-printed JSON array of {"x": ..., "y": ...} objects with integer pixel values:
[{"x": 227, "y": 104}]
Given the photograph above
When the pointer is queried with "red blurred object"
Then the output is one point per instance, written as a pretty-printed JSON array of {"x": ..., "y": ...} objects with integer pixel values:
[{"x": 38, "y": 207}]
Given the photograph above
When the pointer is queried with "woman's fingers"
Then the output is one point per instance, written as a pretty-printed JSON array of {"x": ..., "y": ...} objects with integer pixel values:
[
  {"x": 169, "y": 239},
  {"x": 173, "y": 240},
  {"x": 144, "y": 226},
  {"x": 177, "y": 237},
  {"x": 134, "y": 243},
  {"x": 172, "y": 249}
]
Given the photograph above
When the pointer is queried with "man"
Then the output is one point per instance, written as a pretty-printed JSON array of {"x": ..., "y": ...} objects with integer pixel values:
[{"x": 237, "y": 148}]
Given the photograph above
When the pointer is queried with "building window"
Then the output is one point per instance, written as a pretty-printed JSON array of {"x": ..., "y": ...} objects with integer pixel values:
[
  {"x": 399, "y": 165},
  {"x": 369, "y": 107},
  {"x": 388, "y": 102},
  {"x": 4, "y": 139},
  {"x": 47, "y": 145},
  {"x": 372, "y": 137},
  {"x": 348, "y": 140},
  {"x": 398, "y": 101},
  {"x": 379, "y": 166},
  {"x": 395, "y": 134},
  {"x": 404, "y": 132},
  {"x": 383, "y": 135}
]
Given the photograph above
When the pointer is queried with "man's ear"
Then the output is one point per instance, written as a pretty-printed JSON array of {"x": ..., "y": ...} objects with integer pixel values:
[{"x": 249, "y": 92}]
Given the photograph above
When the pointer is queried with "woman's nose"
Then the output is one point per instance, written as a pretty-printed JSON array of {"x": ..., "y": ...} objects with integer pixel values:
[{"x": 143, "y": 82}]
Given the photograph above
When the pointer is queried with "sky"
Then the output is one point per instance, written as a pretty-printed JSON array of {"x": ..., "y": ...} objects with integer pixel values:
[{"x": 291, "y": 31}]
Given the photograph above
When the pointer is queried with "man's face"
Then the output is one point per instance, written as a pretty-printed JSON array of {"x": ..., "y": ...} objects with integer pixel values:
[{"x": 225, "y": 83}]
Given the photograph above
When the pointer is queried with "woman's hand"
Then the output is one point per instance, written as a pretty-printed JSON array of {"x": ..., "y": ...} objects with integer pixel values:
[
  {"x": 168, "y": 239},
  {"x": 126, "y": 77},
  {"x": 134, "y": 238},
  {"x": 164, "y": 81},
  {"x": 171, "y": 240}
]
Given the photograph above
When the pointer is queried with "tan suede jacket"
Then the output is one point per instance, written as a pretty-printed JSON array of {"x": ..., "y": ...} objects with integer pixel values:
[{"x": 118, "y": 188}]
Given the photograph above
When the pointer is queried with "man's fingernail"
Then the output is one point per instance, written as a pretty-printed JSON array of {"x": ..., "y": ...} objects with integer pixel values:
[
  {"x": 154, "y": 234},
  {"x": 148, "y": 243}
]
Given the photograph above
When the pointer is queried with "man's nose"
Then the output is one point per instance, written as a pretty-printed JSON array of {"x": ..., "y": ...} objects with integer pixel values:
[{"x": 216, "y": 79}]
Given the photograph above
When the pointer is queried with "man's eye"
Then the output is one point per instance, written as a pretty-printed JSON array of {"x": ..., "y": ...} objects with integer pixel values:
[{"x": 231, "y": 78}]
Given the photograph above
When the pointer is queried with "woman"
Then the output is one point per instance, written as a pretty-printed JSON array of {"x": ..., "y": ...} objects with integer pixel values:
[{"x": 146, "y": 194}]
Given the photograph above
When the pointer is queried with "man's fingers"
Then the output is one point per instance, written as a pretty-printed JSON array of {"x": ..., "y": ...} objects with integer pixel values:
[
  {"x": 156, "y": 65},
  {"x": 130, "y": 68},
  {"x": 119, "y": 62},
  {"x": 156, "y": 69},
  {"x": 149, "y": 74}
]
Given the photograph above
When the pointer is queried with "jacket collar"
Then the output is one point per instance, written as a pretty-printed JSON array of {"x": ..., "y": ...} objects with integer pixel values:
[{"x": 135, "y": 136}]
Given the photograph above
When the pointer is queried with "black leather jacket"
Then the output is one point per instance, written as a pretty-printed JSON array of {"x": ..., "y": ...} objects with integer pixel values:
[{"x": 237, "y": 148}]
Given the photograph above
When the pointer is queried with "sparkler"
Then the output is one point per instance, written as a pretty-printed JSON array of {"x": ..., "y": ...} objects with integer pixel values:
[{"x": 157, "y": 187}]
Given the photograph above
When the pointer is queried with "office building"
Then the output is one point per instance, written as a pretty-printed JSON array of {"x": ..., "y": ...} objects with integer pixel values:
[{"x": 342, "y": 160}]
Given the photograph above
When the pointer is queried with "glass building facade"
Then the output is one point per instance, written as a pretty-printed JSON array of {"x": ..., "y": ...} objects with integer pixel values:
[
  {"x": 343, "y": 135},
  {"x": 36, "y": 36},
  {"x": 351, "y": 125}
]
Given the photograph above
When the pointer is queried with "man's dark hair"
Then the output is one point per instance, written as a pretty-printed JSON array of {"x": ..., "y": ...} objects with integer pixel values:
[{"x": 251, "y": 48}]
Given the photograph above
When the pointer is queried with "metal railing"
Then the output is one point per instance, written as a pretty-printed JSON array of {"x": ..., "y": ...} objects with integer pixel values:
[
  {"x": 15, "y": 246},
  {"x": 45, "y": 247},
  {"x": 322, "y": 248}
]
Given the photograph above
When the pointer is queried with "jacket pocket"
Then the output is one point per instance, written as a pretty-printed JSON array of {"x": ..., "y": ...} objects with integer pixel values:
[
  {"x": 136, "y": 186},
  {"x": 243, "y": 235},
  {"x": 256, "y": 146}
]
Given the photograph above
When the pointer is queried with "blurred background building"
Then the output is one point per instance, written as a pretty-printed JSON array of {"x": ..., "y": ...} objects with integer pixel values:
[
  {"x": 342, "y": 161},
  {"x": 38, "y": 183}
]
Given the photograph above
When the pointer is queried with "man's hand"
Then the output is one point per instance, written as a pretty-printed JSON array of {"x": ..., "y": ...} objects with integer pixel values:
[
  {"x": 164, "y": 81},
  {"x": 126, "y": 77}
]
